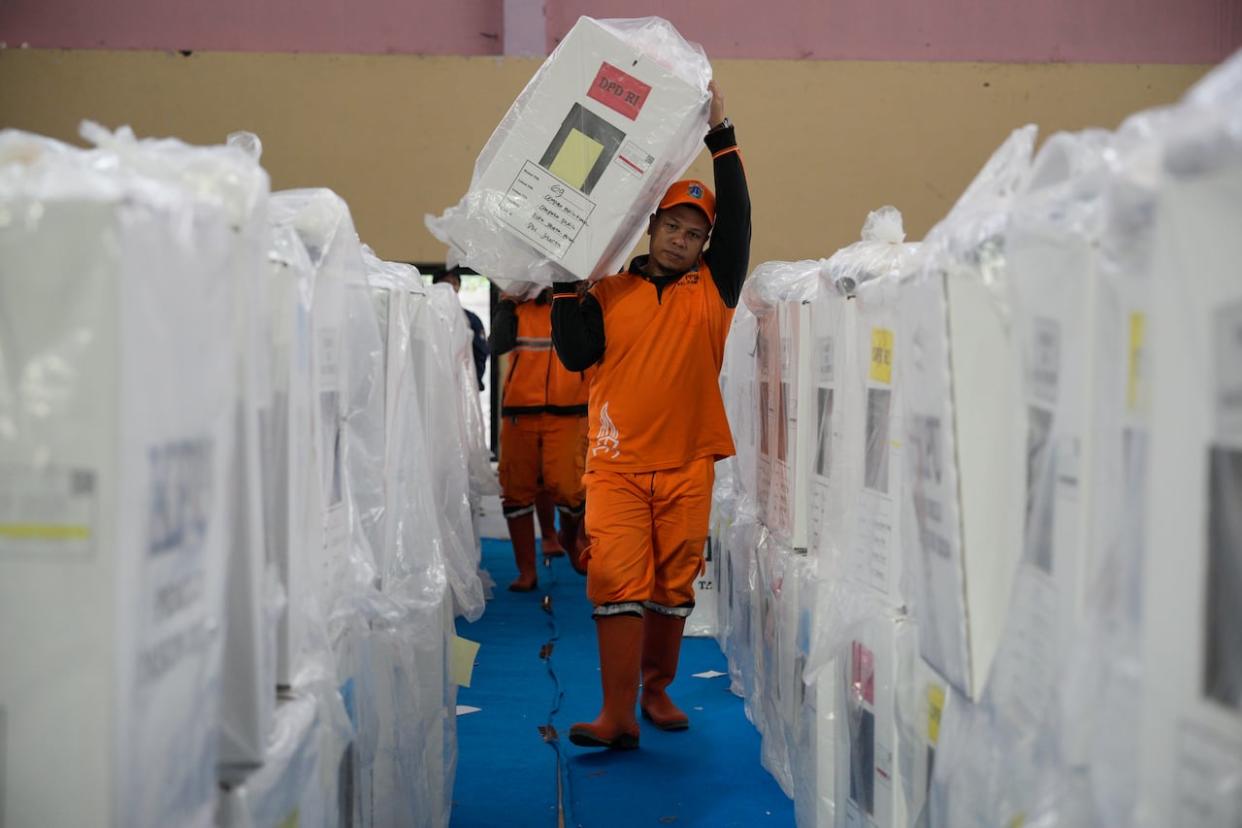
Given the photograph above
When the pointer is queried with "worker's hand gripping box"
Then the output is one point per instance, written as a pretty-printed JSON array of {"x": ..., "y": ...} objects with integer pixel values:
[{"x": 569, "y": 177}]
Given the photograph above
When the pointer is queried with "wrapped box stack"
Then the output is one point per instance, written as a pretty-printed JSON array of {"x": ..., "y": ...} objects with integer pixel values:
[
  {"x": 240, "y": 457},
  {"x": 1016, "y": 601}
]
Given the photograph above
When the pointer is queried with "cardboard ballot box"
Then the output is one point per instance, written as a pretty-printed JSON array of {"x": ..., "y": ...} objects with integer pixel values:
[{"x": 615, "y": 115}]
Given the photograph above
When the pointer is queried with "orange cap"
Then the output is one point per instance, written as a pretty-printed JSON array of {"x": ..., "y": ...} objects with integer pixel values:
[{"x": 694, "y": 193}]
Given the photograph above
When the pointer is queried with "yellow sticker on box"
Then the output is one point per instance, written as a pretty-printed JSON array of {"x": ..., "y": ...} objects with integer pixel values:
[
  {"x": 45, "y": 531},
  {"x": 935, "y": 708},
  {"x": 577, "y": 156},
  {"x": 882, "y": 355},
  {"x": 1136, "y": 391},
  {"x": 462, "y": 660}
]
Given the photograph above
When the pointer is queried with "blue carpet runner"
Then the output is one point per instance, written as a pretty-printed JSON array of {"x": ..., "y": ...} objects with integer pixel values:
[{"x": 538, "y": 672}]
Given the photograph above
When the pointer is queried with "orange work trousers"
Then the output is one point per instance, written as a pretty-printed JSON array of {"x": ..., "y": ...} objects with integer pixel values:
[
  {"x": 648, "y": 531},
  {"x": 542, "y": 452}
]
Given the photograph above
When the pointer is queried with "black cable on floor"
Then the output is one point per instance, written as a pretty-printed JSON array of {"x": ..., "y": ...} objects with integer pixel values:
[{"x": 548, "y": 730}]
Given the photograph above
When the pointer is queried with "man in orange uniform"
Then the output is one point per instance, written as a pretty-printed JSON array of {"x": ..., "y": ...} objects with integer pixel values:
[
  {"x": 543, "y": 431},
  {"x": 656, "y": 333}
]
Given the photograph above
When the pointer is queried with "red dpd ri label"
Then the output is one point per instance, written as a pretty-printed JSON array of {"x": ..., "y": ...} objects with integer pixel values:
[{"x": 617, "y": 90}]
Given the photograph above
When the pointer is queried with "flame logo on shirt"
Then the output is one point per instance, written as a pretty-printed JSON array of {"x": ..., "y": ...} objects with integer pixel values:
[{"x": 607, "y": 439}]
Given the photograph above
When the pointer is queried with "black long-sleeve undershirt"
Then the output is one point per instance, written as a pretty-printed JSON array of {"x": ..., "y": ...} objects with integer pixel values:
[
  {"x": 503, "y": 338},
  {"x": 578, "y": 326}
]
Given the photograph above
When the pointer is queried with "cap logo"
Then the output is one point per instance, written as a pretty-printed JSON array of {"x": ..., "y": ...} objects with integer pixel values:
[{"x": 696, "y": 191}]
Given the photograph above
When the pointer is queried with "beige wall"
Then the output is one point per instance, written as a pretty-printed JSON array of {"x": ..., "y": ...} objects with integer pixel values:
[{"x": 824, "y": 142}]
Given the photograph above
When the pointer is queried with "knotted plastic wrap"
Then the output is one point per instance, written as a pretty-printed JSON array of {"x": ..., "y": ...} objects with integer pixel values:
[
  {"x": 881, "y": 251},
  {"x": 563, "y": 188},
  {"x": 117, "y": 405}
]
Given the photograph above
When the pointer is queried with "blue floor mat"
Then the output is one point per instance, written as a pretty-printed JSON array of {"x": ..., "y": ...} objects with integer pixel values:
[{"x": 507, "y": 773}]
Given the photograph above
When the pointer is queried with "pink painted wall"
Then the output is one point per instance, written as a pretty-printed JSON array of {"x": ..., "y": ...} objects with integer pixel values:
[
  {"x": 466, "y": 27},
  {"x": 1091, "y": 31},
  {"x": 1098, "y": 31}
]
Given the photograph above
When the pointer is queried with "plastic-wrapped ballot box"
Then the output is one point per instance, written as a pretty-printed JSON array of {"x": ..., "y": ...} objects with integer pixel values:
[
  {"x": 966, "y": 427},
  {"x": 324, "y": 226},
  {"x": 835, "y": 403},
  {"x": 1192, "y": 625},
  {"x": 411, "y": 779},
  {"x": 288, "y": 447},
  {"x": 871, "y": 790},
  {"x": 873, "y": 414},
  {"x": 118, "y": 405},
  {"x": 1070, "y": 322},
  {"x": 780, "y": 295},
  {"x": 615, "y": 115},
  {"x": 784, "y": 371},
  {"x": 225, "y": 181},
  {"x": 438, "y": 343}
]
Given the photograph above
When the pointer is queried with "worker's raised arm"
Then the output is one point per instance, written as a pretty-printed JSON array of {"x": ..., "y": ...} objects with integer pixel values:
[{"x": 728, "y": 253}]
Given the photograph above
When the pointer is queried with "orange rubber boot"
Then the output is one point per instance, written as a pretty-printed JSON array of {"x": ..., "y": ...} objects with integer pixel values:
[
  {"x": 620, "y": 651},
  {"x": 546, "y": 511},
  {"x": 661, "y": 650},
  {"x": 522, "y": 533}
]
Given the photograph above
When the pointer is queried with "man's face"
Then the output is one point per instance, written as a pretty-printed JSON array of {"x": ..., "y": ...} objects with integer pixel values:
[{"x": 677, "y": 238}]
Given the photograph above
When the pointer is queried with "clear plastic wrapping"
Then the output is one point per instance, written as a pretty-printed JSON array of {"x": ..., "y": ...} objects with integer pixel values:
[
  {"x": 1191, "y": 644},
  {"x": 117, "y": 405},
  {"x": 566, "y": 182},
  {"x": 443, "y": 376},
  {"x": 276, "y": 793},
  {"x": 965, "y": 425}
]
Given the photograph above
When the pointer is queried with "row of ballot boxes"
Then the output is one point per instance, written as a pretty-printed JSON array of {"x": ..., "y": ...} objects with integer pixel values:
[
  {"x": 977, "y": 558},
  {"x": 240, "y": 456}
]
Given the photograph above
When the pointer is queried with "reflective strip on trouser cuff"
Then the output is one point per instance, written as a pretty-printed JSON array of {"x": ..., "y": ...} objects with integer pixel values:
[
  {"x": 566, "y": 510},
  {"x": 680, "y": 612},
  {"x": 517, "y": 511},
  {"x": 626, "y": 608}
]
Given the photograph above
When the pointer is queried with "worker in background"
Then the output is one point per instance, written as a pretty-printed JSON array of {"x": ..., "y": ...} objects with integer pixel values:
[
  {"x": 656, "y": 334},
  {"x": 479, "y": 336},
  {"x": 542, "y": 432}
]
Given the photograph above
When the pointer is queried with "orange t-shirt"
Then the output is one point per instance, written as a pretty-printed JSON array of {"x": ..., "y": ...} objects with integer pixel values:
[{"x": 655, "y": 398}]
